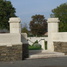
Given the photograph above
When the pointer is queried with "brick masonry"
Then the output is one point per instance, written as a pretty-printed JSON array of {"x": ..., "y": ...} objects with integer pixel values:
[{"x": 60, "y": 47}]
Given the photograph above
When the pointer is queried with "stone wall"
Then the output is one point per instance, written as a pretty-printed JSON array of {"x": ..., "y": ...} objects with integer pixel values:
[
  {"x": 10, "y": 39},
  {"x": 31, "y": 40},
  {"x": 11, "y": 53},
  {"x": 60, "y": 47},
  {"x": 13, "y": 45},
  {"x": 60, "y": 37}
]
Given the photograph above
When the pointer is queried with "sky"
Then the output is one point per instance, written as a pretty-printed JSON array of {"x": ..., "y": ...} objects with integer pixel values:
[{"x": 25, "y": 9}]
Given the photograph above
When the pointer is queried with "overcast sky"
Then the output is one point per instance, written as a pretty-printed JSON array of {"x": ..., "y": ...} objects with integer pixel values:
[{"x": 26, "y": 8}]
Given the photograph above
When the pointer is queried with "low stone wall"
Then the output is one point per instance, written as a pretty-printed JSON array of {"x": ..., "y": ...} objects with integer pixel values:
[
  {"x": 31, "y": 40},
  {"x": 10, "y": 38},
  {"x": 60, "y": 47},
  {"x": 11, "y": 53}
]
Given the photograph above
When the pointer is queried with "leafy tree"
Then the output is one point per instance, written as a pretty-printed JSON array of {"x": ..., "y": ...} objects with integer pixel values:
[
  {"x": 38, "y": 25},
  {"x": 6, "y": 11},
  {"x": 24, "y": 30},
  {"x": 61, "y": 13}
]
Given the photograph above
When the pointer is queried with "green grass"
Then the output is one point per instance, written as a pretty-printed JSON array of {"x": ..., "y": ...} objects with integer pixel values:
[{"x": 34, "y": 47}]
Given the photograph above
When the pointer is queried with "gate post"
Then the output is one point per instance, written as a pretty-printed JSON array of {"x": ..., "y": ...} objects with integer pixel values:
[
  {"x": 52, "y": 28},
  {"x": 15, "y": 26}
]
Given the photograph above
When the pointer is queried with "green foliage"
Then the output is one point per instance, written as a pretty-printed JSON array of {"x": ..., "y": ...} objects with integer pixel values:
[
  {"x": 38, "y": 25},
  {"x": 31, "y": 35},
  {"x": 34, "y": 47},
  {"x": 61, "y": 13},
  {"x": 6, "y": 11},
  {"x": 24, "y": 30}
]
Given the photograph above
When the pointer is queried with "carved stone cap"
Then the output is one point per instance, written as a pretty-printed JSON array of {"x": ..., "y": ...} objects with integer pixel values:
[
  {"x": 53, "y": 20},
  {"x": 14, "y": 20}
]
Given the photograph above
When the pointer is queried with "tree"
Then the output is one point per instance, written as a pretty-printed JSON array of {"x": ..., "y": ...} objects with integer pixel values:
[
  {"x": 6, "y": 11},
  {"x": 24, "y": 30},
  {"x": 38, "y": 25},
  {"x": 61, "y": 13}
]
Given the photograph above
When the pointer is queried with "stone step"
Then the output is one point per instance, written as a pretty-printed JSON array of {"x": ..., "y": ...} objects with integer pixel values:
[{"x": 46, "y": 54}]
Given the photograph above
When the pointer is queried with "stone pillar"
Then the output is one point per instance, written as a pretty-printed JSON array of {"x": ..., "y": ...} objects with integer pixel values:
[
  {"x": 15, "y": 26},
  {"x": 52, "y": 28}
]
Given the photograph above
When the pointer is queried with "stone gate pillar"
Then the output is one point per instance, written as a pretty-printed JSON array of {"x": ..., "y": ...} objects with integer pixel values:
[
  {"x": 52, "y": 28},
  {"x": 15, "y": 26}
]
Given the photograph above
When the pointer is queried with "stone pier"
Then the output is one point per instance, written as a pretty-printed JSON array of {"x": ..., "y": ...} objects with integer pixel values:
[{"x": 10, "y": 43}]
